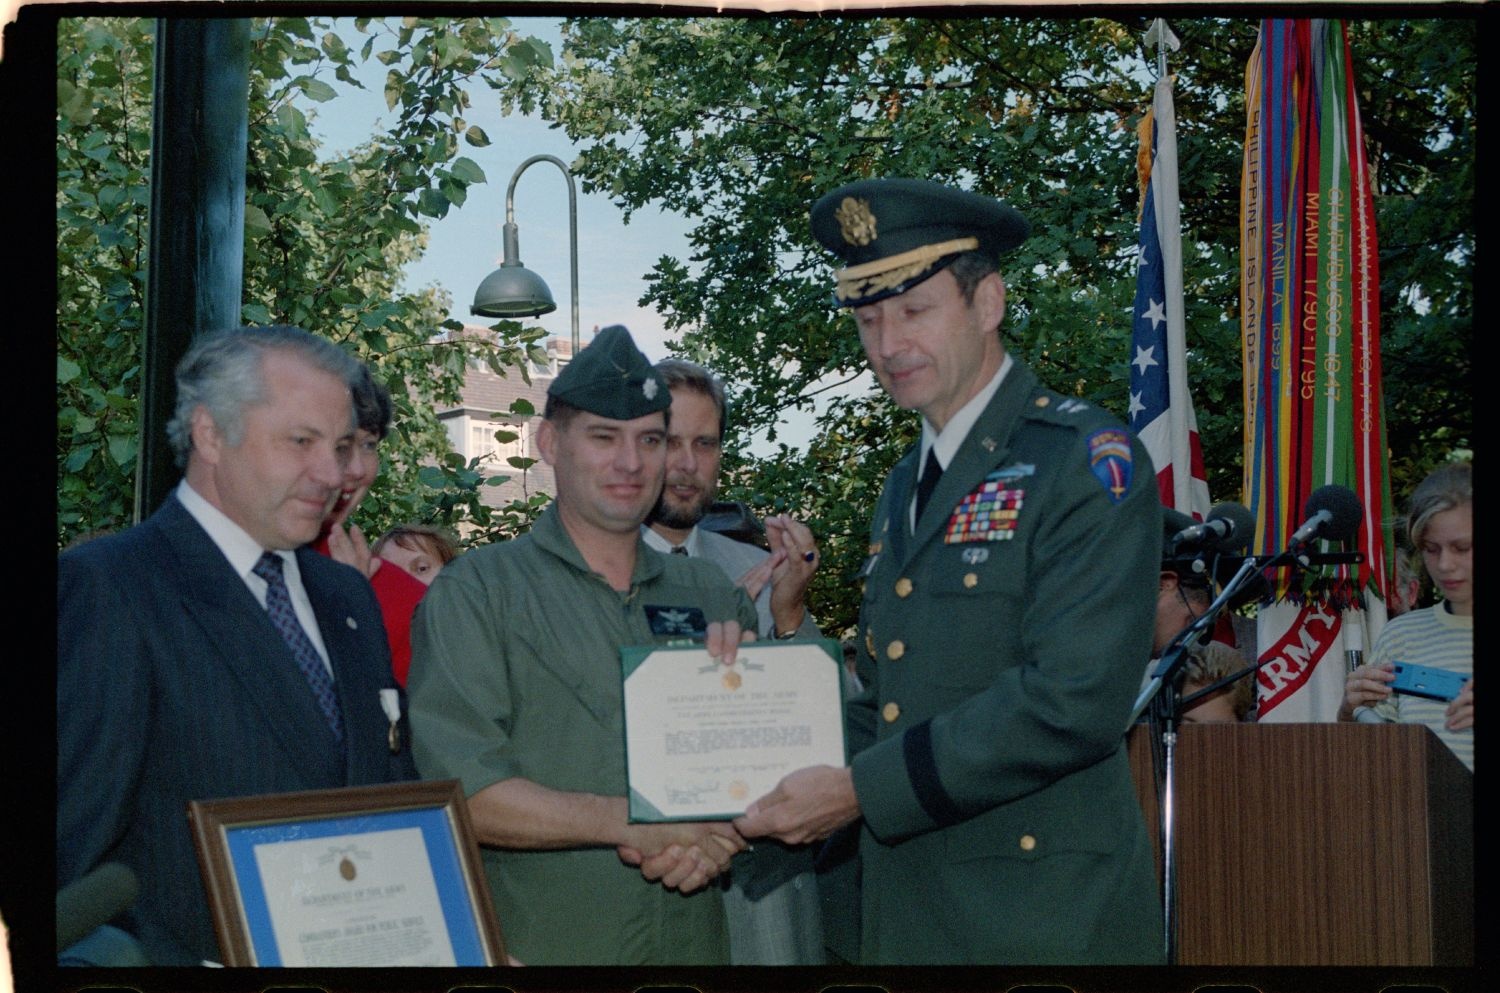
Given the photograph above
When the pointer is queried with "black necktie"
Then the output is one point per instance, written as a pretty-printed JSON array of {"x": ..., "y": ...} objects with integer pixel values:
[
  {"x": 284, "y": 616},
  {"x": 679, "y": 549},
  {"x": 931, "y": 473}
]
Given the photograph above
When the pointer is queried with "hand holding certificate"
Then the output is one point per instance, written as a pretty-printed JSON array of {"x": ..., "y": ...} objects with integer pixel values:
[{"x": 704, "y": 739}]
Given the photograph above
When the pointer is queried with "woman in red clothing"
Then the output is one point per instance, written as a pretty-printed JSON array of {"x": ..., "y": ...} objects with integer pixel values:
[{"x": 396, "y": 590}]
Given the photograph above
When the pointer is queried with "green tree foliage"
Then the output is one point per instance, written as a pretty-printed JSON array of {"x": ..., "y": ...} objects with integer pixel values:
[
  {"x": 740, "y": 123},
  {"x": 104, "y": 141},
  {"x": 326, "y": 240}
]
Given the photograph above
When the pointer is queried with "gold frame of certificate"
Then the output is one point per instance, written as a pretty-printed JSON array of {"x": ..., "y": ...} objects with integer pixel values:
[
  {"x": 385, "y": 875},
  {"x": 704, "y": 740}
]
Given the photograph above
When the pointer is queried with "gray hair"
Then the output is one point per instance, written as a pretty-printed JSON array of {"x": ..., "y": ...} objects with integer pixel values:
[
  {"x": 1446, "y": 487},
  {"x": 692, "y": 376},
  {"x": 222, "y": 373}
]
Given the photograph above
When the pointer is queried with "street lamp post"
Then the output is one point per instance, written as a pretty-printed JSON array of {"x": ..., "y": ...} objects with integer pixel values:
[{"x": 513, "y": 290}]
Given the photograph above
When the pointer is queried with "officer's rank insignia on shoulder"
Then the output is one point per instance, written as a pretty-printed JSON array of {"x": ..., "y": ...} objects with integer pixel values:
[
  {"x": 1071, "y": 406},
  {"x": 990, "y": 511},
  {"x": 1109, "y": 460}
]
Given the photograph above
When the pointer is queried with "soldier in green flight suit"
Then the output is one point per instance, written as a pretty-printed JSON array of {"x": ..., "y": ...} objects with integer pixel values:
[
  {"x": 1008, "y": 603},
  {"x": 516, "y": 690}
]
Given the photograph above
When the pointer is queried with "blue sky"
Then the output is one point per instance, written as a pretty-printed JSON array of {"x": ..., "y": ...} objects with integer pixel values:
[{"x": 465, "y": 246}]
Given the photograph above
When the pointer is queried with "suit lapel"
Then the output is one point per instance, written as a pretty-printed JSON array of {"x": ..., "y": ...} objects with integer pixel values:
[
  {"x": 985, "y": 447},
  {"x": 239, "y": 636}
]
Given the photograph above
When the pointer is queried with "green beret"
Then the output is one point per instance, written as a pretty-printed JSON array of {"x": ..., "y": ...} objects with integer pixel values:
[
  {"x": 610, "y": 377},
  {"x": 894, "y": 233}
]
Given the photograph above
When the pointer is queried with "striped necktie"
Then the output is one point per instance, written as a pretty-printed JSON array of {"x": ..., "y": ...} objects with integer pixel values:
[{"x": 284, "y": 617}]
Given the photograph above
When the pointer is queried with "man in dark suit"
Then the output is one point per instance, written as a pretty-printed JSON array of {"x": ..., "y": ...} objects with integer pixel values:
[
  {"x": 205, "y": 653},
  {"x": 1007, "y": 608}
]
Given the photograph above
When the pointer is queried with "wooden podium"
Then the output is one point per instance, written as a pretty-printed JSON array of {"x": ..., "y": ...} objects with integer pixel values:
[{"x": 1317, "y": 844}]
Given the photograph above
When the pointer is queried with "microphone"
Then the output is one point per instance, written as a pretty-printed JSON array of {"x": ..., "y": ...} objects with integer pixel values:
[
  {"x": 1333, "y": 514},
  {"x": 1229, "y": 525},
  {"x": 92, "y": 900}
]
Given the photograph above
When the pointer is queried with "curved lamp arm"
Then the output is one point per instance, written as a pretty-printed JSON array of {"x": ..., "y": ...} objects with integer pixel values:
[{"x": 510, "y": 225}]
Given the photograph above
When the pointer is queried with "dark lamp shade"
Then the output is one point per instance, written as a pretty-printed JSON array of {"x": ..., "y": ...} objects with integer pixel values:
[{"x": 513, "y": 291}]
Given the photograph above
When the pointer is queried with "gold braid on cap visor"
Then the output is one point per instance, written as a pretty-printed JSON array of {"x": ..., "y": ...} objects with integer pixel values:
[{"x": 860, "y": 281}]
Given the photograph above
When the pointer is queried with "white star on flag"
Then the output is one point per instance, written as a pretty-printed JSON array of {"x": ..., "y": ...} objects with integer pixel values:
[
  {"x": 1143, "y": 359},
  {"x": 1161, "y": 408}
]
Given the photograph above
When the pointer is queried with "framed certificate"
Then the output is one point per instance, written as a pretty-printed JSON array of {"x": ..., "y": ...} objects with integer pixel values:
[
  {"x": 703, "y": 740},
  {"x": 364, "y": 876}
]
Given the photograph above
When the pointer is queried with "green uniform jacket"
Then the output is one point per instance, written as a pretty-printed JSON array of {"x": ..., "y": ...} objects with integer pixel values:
[
  {"x": 1001, "y": 649},
  {"x": 516, "y": 672}
]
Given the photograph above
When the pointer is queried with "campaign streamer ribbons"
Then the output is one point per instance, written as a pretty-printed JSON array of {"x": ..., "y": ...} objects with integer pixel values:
[{"x": 1310, "y": 299}]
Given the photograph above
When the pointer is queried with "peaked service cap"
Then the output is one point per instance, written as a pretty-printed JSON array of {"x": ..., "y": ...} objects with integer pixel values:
[
  {"x": 894, "y": 233},
  {"x": 610, "y": 377}
]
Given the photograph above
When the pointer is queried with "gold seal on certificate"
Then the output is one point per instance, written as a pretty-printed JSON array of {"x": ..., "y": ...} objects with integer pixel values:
[
  {"x": 383, "y": 875},
  {"x": 703, "y": 740}
]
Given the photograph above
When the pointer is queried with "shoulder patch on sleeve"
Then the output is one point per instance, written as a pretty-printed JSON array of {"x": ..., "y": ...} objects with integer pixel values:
[{"x": 1110, "y": 462}]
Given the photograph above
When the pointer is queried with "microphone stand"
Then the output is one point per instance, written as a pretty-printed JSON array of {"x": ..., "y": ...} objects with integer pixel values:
[{"x": 1162, "y": 695}]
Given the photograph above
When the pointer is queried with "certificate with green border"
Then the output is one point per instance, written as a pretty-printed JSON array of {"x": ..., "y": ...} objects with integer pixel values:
[{"x": 703, "y": 740}]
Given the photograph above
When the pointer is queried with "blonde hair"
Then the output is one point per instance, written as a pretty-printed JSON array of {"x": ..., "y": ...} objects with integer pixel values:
[
  {"x": 1446, "y": 487},
  {"x": 1210, "y": 663}
]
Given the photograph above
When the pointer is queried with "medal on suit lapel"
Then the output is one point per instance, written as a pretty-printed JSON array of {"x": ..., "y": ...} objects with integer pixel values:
[{"x": 390, "y": 702}]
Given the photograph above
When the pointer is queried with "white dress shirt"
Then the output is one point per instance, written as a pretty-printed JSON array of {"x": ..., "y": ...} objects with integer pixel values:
[
  {"x": 945, "y": 443},
  {"x": 243, "y": 552}
]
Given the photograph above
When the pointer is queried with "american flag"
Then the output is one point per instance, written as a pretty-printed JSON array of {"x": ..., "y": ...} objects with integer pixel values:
[{"x": 1161, "y": 409}]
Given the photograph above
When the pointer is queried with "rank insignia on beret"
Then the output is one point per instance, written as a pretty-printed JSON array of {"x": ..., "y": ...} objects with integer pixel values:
[
  {"x": 1110, "y": 461},
  {"x": 988, "y": 513},
  {"x": 603, "y": 377},
  {"x": 856, "y": 222}
]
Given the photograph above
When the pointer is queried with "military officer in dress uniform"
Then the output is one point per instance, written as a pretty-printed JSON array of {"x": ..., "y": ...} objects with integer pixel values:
[{"x": 1008, "y": 603}]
